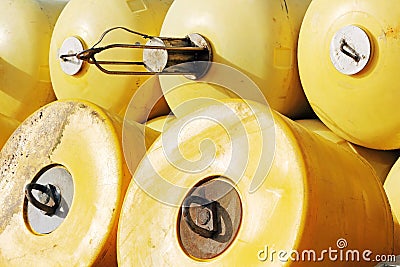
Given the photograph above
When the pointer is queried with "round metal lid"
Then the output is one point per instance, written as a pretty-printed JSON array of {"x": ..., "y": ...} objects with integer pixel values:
[
  {"x": 210, "y": 218},
  {"x": 38, "y": 220},
  {"x": 155, "y": 60},
  {"x": 350, "y": 50},
  {"x": 193, "y": 64},
  {"x": 201, "y": 66},
  {"x": 70, "y": 65}
]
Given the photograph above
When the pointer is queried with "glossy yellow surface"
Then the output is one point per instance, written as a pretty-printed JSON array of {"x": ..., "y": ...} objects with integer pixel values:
[
  {"x": 7, "y": 127},
  {"x": 87, "y": 142},
  {"x": 160, "y": 124},
  {"x": 259, "y": 38},
  {"x": 361, "y": 108},
  {"x": 87, "y": 20},
  {"x": 391, "y": 187},
  {"x": 381, "y": 161},
  {"x": 25, "y": 34},
  {"x": 306, "y": 201}
]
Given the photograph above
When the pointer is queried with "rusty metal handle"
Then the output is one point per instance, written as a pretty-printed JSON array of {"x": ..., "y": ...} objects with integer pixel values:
[
  {"x": 192, "y": 48},
  {"x": 209, "y": 206},
  {"x": 54, "y": 197}
]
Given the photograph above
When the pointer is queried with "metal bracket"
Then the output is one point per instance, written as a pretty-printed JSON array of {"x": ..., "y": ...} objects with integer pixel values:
[{"x": 161, "y": 55}]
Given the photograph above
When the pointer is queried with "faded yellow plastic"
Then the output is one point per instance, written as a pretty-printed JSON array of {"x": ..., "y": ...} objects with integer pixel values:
[
  {"x": 25, "y": 32},
  {"x": 391, "y": 186},
  {"x": 382, "y": 161},
  {"x": 87, "y": 20},
  {"x": 361, "y": 108},
  {"x": 306, "y": 201},
  {"x": 7, "y": 127},
  {"x": 259, "y": 38},
  {"x": 160, "y": 124},
  {"x": 87, "y": 141}
]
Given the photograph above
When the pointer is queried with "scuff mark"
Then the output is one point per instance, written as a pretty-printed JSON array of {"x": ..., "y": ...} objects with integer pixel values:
[{"x": 286, "y": 7}]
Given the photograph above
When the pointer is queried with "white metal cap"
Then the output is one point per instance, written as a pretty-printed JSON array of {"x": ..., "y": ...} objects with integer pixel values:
[
  {"x": 70, "y": 65},
  {"x": 350, "y": 50}
]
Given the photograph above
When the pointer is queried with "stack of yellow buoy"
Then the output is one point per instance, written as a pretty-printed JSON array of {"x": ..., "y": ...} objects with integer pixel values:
[
  {"x": 66, "y": 156},
  {"x": 355, "y": 55},
  {"x": 161, "y": 133}
]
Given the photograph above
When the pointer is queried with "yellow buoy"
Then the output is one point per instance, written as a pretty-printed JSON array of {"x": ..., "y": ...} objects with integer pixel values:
[
  {"x": 193, "y": 204},
  {"x": 381, "y": 161},
  {"x": 68, "y": 159},
  {"x": 391, "y": 187},
  {"x": 160, "y": 124},
  {"x": 25, "y": 34},
  {"x": 257, "y": 38},
  {"x": 80, "y": 26},
  {"x": 348, "y": 54},
  {"x": 7, "y": 127}
]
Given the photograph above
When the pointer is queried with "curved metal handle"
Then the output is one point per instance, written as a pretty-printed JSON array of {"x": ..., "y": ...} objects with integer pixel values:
[
  {"x": 207, "y": 206},
  {"x": 346, "y": 49},
  {"x": 180, "y": 50},
  {"x": 54, "y": 197}
]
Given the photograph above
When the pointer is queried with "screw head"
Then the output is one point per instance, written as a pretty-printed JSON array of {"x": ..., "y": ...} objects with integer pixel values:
[{"x": 204, "y": 216}]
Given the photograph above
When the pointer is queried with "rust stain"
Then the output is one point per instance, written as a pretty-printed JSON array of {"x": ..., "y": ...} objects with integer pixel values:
[{"x": 393, "y": 32}]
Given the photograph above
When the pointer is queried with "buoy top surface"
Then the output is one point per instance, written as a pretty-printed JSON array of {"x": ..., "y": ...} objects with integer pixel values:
[{"x": 83, "y": 139}]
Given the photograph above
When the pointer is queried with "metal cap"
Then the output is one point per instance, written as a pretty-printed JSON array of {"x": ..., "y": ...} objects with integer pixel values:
[
  {"x": 350, "y": 50},
  {"x": 70, "y": 65},
  {"x": 155, "y": 60},
  {"x": 210, "y": 218},
  {"x": 190, "y": 56}
]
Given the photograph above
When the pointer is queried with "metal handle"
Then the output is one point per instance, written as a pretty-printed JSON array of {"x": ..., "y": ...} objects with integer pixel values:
[
  {"x": 192, "y": 48},
  {"x": 53, "y": 197},
  {"x": 350, "y": 52},
  {"x": 206, "y": 207}
]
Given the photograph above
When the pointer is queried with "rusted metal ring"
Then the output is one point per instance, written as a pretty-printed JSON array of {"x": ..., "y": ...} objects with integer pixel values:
[{"x": 206, "y": 204}]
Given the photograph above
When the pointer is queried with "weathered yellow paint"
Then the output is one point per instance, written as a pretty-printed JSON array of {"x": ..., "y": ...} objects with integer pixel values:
[
  {"x": 25, "y": 34},
  {"x": 382, "y": 161},
  {"x": 259, "y": 38},
  {"x": 87, "y": 20},
  {"x": 305, "y": 202},
  {"x": 87, "y": 142},
  {"x": 362, "y": 108}
]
